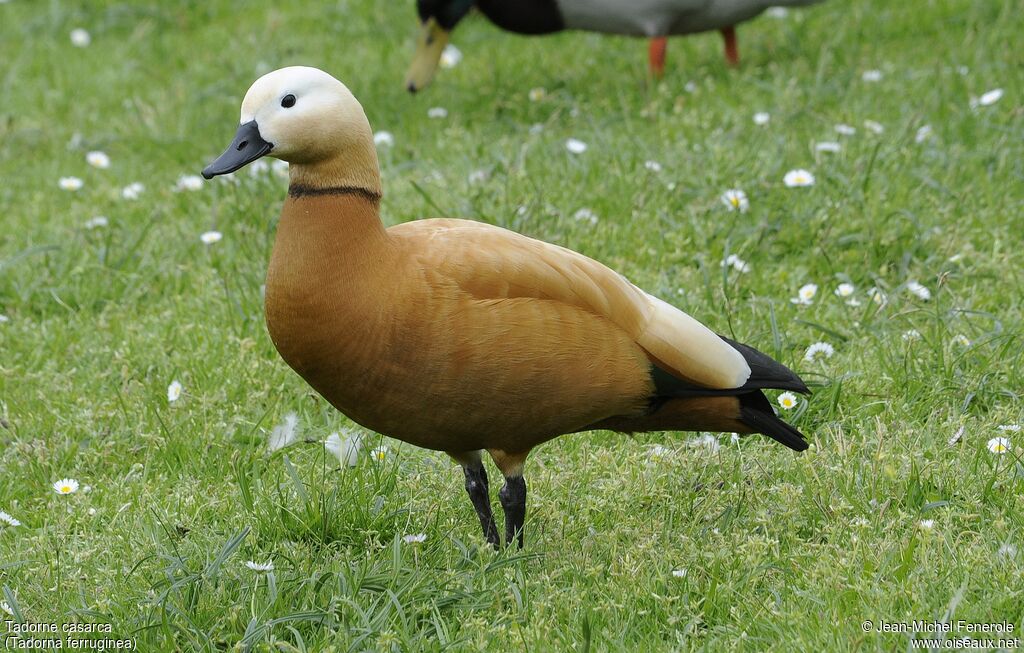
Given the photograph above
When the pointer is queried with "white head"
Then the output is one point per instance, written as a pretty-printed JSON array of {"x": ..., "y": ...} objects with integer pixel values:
[{"x": 299, "y": 114}]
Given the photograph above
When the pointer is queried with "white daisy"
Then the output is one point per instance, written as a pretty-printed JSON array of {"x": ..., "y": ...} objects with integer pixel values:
[
  {"x": 787, "y": 400},
  {"x": 383, "y": 139},
  {"x": 65, "y": 486},
  {"x": 817, "y": 351},
  {"x": 762, "y": 118},
  {"x": 189, "y": 182},
  {"x": 805, "y": 295},
  {"x": 871, "y": 75},
  {"x": 705, "y": 441},
  {"x": 80, "y": 38},
  {"x": 999, "y": 445},
  {"x": 70, "y": 183},
  {"x": 990, "y": 97},
  {"x": 1012, "y": 428},
  {"x": 919, "y": 290},
  {"x": 878, "y": 296},
  {"x": 260, "y": 567},
  {"x": 845, "y": 130},
  {"x": 96, "y": 222},
  {"x": 653, "y": 166},
  {"x": 284, "y": 434},
  {"x": 797, "y": 178},
  {"x": 873, "y": 126},
  {"x": 537, "y": 94},
  {"x": 679, "y": 573},
  {"x": 8, "y": 520},
  {"x": 735, "y": 200},
  {"x": 174, "y": 391},
  {"x": 585, "y": 215},
  {"x": 845, "y": 290},
  {"x": 923, "y": 133},
  {"x": 98, "y": 159},
  {"x": 132, "y": 191},
  {"x": 962, "y": 340},
  {"x": 346, "y": 449},
  {"x": 419, "y": 538},
  {"x": 379, "y": 454},
  {"x": 210, "y": 237},
  {"x": 450, "y": 56},
  {"x": 911, "y": 335},
  {"x": 4, "y": 605},
  {"x": 926, "y": 525},
  {"x": 827, "y": 146},
  {"x": 736, "y": 263},
  {"x": 575, "y": 146},
  {"x": 437, "y": 112}
]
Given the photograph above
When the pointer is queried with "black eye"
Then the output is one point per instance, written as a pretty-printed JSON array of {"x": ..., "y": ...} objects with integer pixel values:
[{"x": 288, "y": 101}]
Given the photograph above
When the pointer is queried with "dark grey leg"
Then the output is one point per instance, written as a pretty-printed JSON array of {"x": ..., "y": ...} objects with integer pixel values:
[
  {"x": 479, "y": 494},
  {"x": 513, "y": 501}
]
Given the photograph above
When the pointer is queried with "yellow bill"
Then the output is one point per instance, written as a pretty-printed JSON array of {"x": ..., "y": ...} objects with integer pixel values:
[{"x": 429, "y": 46}]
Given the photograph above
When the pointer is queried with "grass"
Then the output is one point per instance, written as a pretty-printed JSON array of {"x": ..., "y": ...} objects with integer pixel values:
[{"x": 780, "y": 550}]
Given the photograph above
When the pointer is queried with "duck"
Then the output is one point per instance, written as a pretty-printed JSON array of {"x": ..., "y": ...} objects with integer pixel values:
[
  {"x": 656, "y": 19},
  {"x": 463, "y": 337}
]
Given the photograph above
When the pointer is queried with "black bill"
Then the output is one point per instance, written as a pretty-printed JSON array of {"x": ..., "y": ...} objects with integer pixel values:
[{"x": 247, "y": 146}]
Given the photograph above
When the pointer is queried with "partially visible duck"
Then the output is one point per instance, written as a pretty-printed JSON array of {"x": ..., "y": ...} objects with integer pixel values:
[
  {"x": 460, "y": 336},
  {"x": 656, "y": 19}
]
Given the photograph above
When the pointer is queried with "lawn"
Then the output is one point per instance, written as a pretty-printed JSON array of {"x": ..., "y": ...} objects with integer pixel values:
[{"x": 901, "y": 509}]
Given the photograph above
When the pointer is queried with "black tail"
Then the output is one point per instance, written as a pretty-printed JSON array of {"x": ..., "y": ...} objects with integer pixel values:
[{"x": 757, "y": 413}]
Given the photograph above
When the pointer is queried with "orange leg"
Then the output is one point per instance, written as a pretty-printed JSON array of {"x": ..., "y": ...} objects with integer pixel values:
[
  {"x": 732, "y": 52},
  {"x": 656, "y": 55}
]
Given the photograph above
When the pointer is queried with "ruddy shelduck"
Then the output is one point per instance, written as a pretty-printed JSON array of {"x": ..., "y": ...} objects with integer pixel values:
[{"x": 460, "y": 336}]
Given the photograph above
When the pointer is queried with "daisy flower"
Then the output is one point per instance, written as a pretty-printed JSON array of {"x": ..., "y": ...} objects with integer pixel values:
[
  {"x": 537, "y": 94},
  {"x": 999, "y": 445},
  {"x": 419, "y": 538},
  {"x": 70, "y": 183},
  {"x": 383, "y": 139},
  {"x": 653, "y": 166},
  {"x": 818, "y": 350},
  {"x": 346, "y": 449},
  {"x": 98, "y": 159},
  {"x": 827, "y": 146},
  {"x": 920, "y": 291},
  {"x": 189, "y": 182},
  {"x": 437, "y": 112},
  {"x": 210, "y": 237},
  {"x": 80, "y": 38},
  {"x": 845, "y": 290},
  {"x": 736, "y": 263},
  {"x": 6, "y": 519},
  {"x": 926, "y": 525},
  {"x": 450, "y": 56},
  {"x": 878, "y": 296},
  {"x": 380, "y": 454},
  {"x": 6, "y": 607},
  {"x": 787, "y": 400},
  {"x": 962, "y": 340},
  {"x": 575, "y": 146},
  {"x": 585, "y": 215},
  {"x": 911, "y": 335},
  {"x": 845, "y": 130},
  {"x": 679, "y": 573},
  {"x": 991, "y": 97},
  {"x": 871, "y": 75},
  {"x": 923, "y": 134},
  {"x": 284, "y": 433},
  {"x": 260, "y": 567},
  {"x": 873, "y": 126},
  {"x": 174, "y": 391},
  {"x": 805, "y": 296},
  {"x": 762, "y": 118},
  {"x": 132, "y": 191},
  {"x": 797, "y": 178},
  {"x": 66, "y": 486},
  {"x": 735, "y": 200}
]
